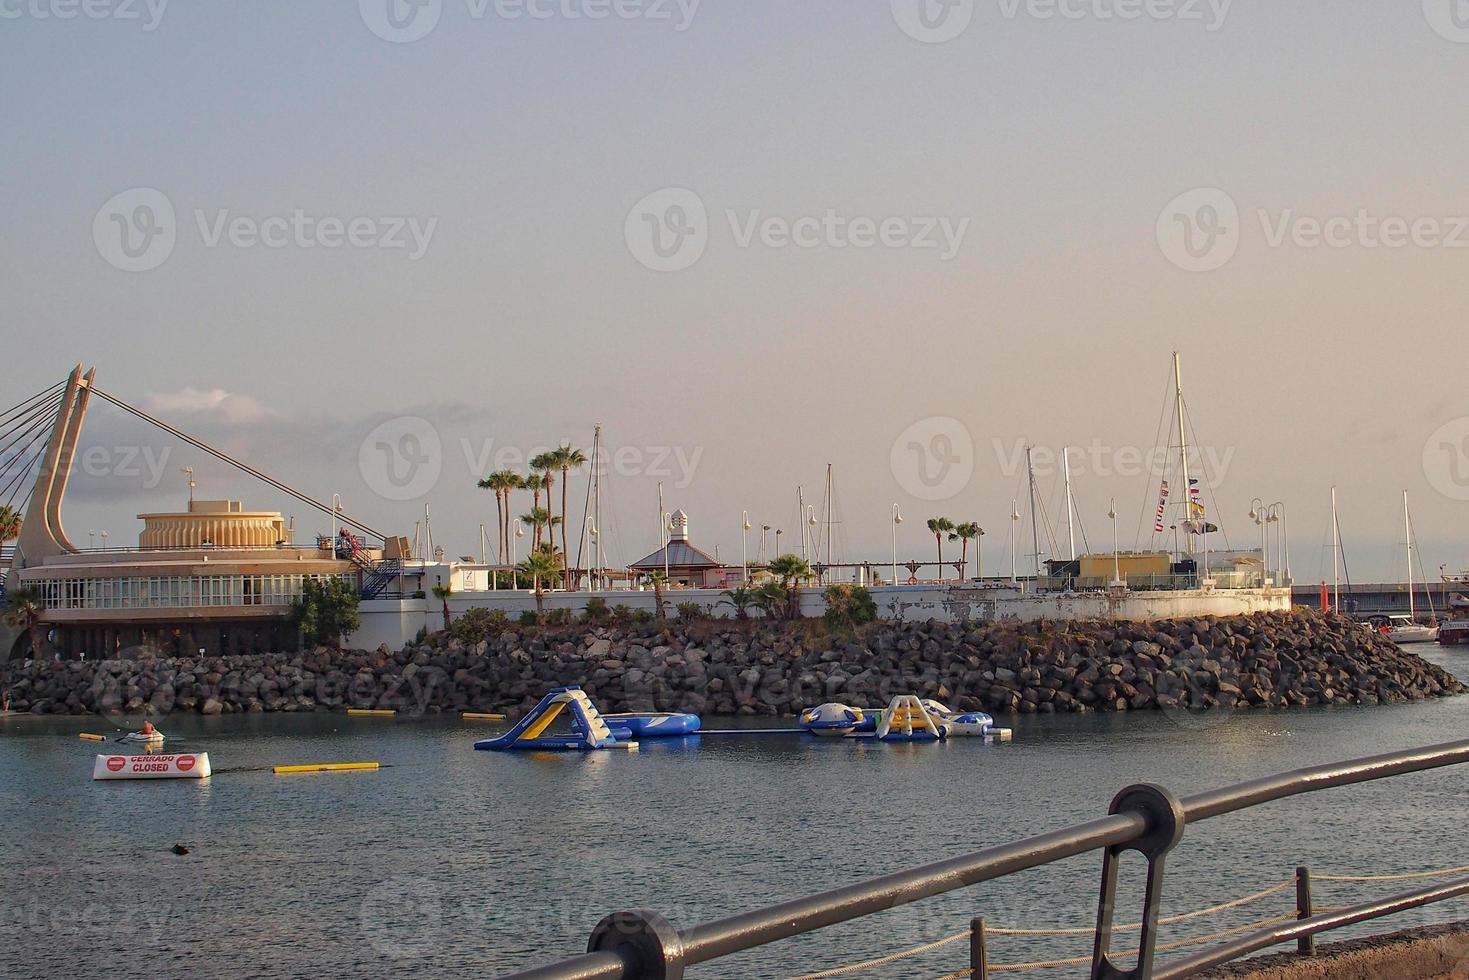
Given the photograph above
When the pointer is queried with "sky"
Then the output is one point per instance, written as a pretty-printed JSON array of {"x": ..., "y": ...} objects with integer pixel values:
[{"x": 377, "y": 248}]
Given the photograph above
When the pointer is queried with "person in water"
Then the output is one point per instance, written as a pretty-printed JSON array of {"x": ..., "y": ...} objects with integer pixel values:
[{"x": 148, "y": 728}]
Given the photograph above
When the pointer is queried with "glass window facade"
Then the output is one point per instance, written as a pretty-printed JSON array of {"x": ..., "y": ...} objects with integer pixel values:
[{"x": 174, "y": 591}]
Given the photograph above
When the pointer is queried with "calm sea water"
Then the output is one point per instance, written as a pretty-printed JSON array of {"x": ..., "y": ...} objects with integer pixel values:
[{"x": 458, "y": 863}]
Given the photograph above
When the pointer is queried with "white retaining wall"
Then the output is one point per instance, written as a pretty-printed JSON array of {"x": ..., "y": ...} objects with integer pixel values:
[{"x": 396, "y": 622}]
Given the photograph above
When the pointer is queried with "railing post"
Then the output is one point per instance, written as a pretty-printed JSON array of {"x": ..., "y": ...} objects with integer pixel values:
[
  {"x": 979, "y": 965},
  {"x": 1164, "y": 814},
  {"x": 1306, "y": 945},
  {"x": 648, "y": 944}
]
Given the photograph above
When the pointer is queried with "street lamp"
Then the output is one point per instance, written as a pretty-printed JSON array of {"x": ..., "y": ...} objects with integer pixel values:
[
  {"x": 979, "y": 555},
  {"x": 745, "y": 526},
  {"x": 1282, "y": 537},
  {"x": 91, "y": 540},
  {"x": 104, "y": 536},
  {"x": 778, "y": 533},
  {"x": 1258, "y": 515},
  {"x": 515, "y": 547},
  {"x": 593, "y": 536},
  {"x": 1014, "y": 521},
  {"x": 897, "y": 519},
  {"x": 1116, "y": 562}
]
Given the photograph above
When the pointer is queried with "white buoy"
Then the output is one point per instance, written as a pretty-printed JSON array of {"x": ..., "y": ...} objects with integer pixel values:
[{"x": 152, "y": 766}]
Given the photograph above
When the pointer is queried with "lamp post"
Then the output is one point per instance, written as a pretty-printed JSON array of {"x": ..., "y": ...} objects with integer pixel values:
[
  {"x": 764, "y": 530},
  {"x": 897, "y": 519},
  {"x": 593, "y": 536},
  {"x": 778, "y": 533},
  {"x": 105, "y": 535},
  {"x": 1014, "y": 520},
  {"x": 91, "y": 540},
  {"x": 745, "y": 546},
  {"x": 979, "y": 555},
  {"x": 1257, "y": 514},
  {"x": 1282, "y": 537},
  {"x": 1116, "y": 562},
  {"x": 515, "y": 550}
]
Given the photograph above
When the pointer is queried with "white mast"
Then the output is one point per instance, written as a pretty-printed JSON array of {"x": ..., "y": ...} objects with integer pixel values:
[
  {"x": 663, "y": 539},
  {"x": 1070, "y": 509},
  {"x": 1035, "y": 538},
  {"x": 1335, "y": 556},
  {"x": 1188, "y": 495},
  {"x": 801, "y": 519},
  {"x": 1014, "y": 519},
  {"x": 1408, "y": 537}
]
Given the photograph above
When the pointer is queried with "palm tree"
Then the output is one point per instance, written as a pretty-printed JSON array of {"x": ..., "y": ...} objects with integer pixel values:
[
  {"x": 442, "y": 593},
  {"x": 538, "y": 518},
  {"x": 792, "y": 570},
  {"x": 542, "y": 566},
  {"x": 772, "y": 599},
  {"x": 939, "y": 526},
  {"x": 502, "y": 483},
  {"x": 567, "y": 458},
  {"x": 544, "y": 466},
  {"x": 659, "y": 580},
  {"x": 740, "y": 599},
  {"x": 10, "y": 524},
  {"x": 23, "y": 609},
  {"x": 966, "y": 533}
]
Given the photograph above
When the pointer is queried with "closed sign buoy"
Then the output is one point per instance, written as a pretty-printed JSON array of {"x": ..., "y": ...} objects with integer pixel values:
[{"x": 152, "y": 766}]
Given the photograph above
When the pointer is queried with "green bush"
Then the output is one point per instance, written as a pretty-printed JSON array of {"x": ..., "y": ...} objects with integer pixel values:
[
  {"x": 528, "y": 618},
  {"x": 596, "y": 610},
  {"x": 621, "y": 614},
  {"x": 849, "y": 605},
  {"x": 558, "y": 617},
  {"x": 327, "y": 611},
  {"x": 691, "y": 611},
  {"x": 479, "y": 624}
]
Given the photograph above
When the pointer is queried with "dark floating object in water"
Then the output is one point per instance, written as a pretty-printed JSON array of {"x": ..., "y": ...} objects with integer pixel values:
[{"x": 179, "y": 849}]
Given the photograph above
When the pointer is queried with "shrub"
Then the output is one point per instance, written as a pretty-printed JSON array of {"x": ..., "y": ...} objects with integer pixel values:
[
  {"x": 327, "y": 611},
  {"x": 691, "y": 611},
  {"x": 479, "y": 624},
  {"x": 642, "y": 615},
  {"x": 558, "y": 617},
  {"x": 596, "y": 610},
  {"x": 621, "y": 614},
  {"x": 529, "y": 618},
  {"x": 849, "y": 605}
]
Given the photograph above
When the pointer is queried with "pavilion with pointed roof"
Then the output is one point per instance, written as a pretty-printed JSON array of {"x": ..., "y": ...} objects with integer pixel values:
[{"x": 687, "y": 566}]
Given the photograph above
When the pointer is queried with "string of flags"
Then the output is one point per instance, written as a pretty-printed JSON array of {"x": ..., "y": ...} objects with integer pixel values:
[
  {"x": 1197, "y": 521},
  {"x": 1162, "y": 508}
]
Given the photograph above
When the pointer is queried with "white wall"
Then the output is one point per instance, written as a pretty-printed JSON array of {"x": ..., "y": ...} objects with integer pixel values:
[{"x": 396, "y": 622}]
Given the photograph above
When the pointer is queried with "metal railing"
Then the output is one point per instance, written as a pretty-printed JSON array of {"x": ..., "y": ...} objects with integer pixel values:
[{"x": 643, "y": 945}]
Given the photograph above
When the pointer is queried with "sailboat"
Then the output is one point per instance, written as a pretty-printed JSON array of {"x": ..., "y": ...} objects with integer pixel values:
[{"x": 1406, "y": 629}]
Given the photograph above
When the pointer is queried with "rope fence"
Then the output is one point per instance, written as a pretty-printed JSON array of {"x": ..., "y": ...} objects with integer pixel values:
[{"x": 916, "y": 951}]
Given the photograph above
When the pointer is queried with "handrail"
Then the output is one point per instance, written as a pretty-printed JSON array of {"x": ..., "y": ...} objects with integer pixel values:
[
  {"x": 643, "y": 945},
  {"x": 1189, "y": 965}
]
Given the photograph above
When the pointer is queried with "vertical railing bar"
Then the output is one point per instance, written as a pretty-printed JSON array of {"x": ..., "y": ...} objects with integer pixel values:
[
  {"x": 1305, "y": 945},
  {"x": 979, "y": 963}
]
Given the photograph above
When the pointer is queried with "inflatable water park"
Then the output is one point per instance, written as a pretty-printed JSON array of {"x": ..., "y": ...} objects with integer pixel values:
[{"x": 907, "y": 718}]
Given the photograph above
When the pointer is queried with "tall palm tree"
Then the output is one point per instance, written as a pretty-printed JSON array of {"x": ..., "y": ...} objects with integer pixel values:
[
  {"x": 543, "y": 467},
  {"x": 538, "y": 518},
  {"x": 442, "y": 593},
  {"x": 502, "y": 482},
  {"x": 542, "y": 566},
  {"x": 567, "y": 458},
  {"x": 23, "y": 609},
  {"x": 10, "y": 524},
  {"x": 966, "y": 533},
  {"x": 939, "y": 526}
]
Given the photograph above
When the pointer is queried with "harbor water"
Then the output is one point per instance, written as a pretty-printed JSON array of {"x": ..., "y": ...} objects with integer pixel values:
[{"x": 456, "y": 863}]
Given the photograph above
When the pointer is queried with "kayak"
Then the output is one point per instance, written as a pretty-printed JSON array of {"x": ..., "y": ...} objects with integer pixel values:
[{"x": 152, "y": 739}]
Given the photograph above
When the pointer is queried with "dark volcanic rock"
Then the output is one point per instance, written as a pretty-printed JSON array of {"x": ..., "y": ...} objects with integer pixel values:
[{"x": 1275, "y": 660}]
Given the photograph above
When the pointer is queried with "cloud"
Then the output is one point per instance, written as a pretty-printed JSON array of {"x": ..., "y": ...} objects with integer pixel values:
[{"x": 216, "y": 404}]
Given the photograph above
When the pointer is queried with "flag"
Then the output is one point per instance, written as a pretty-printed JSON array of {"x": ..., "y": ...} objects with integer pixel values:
[{"x": 1195, "y": 509}]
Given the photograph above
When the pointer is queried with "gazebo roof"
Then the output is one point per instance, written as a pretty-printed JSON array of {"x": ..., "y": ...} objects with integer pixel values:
[{"x": 681, "y": 554}]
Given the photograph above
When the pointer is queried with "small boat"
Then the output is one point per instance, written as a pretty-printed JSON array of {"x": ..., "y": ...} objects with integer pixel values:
[
  {"x": 1454, "y": 632},
  {"x": 154, "y": 737},
  {"x": 1402, "y": 629}
]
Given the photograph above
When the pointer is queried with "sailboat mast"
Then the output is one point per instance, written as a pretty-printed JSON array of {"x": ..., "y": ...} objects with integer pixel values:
[
  {"x": 1035, "y": 538},
  {"x": 1188, "y": 494},
  {"x": 801, "y": 519},
  {"x": 1408, "y": 537},
  {"x": 597, "y": 504},
  {"x": 1070, "y": 509},
  {"x": 825, "y": 551}
]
